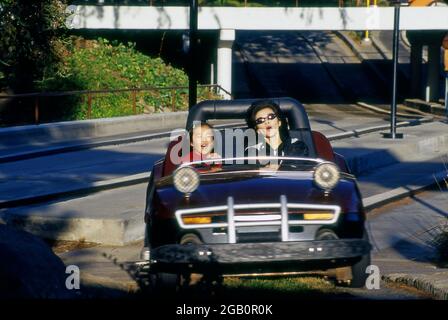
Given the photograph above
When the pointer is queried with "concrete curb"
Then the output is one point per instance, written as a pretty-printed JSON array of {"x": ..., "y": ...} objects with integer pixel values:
[
  {"x": 78, "y": 147},
  {"x": 404, "y": 115},
  {"x": 358, "y": 132},
  {"x": 114, "y": 231},
  {"x": 428, "y": 107},
  {"x": 381, "y": 199},
  {"x": 69, "y": 130},
  {"x": 85, "y": 129},
  {"x": 89, "y": 145},
  {"x": 436, "y": 287},
  {"x": 78, "y": 191}
]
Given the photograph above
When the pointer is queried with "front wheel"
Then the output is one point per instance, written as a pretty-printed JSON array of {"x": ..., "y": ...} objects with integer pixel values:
[
  {"x": 359, "y": 275},
  {"x": 166, "y": 283},
  {"x": 355, "y": 276}
]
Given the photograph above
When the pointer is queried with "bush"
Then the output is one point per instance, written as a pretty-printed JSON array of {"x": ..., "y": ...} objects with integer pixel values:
[
  {"x": 30, "y": 38},
  {"x": 104, "y": 65}
]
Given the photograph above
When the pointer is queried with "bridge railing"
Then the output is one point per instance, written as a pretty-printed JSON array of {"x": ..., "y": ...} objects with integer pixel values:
[{"x": 86, "y": 104}]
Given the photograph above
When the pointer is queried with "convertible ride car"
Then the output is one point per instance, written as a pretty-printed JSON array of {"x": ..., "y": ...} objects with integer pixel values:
[{"x": 245, "y": 218}]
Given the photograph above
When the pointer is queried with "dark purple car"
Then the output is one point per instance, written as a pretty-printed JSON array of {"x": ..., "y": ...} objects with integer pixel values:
[{"x": 245, "y": 218}]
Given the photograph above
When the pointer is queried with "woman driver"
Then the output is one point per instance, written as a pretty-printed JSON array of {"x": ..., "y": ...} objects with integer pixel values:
[{"x": 265, "y": 117}]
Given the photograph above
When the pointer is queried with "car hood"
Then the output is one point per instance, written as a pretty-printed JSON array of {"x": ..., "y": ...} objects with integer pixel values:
[{"x": 260, "y": 187}]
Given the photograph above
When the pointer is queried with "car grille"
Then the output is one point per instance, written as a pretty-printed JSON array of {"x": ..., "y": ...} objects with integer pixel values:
[{"x": 232, "y": 217}]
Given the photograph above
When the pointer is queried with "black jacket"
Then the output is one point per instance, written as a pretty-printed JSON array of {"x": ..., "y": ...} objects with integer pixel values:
[{"x": 288, "y": 148}]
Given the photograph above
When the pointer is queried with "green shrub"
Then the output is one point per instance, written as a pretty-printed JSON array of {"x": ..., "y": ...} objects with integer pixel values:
[{"x": 104, "y": 65}]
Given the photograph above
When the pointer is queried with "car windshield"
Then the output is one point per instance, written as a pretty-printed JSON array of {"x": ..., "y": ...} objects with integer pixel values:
[
  {"x": 239, "y": 149},
  {"x": 262, "y": 163}
]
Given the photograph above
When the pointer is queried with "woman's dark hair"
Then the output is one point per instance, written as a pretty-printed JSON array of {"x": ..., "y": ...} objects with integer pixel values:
[{"x": 262, "y": 104}]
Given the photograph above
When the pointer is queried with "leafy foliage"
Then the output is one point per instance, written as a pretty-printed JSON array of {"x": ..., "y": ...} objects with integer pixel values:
[
  {"x": 36, "y": 54},
  {"x": 30, "y": 40},
  {"x": 104, "y": 65}
]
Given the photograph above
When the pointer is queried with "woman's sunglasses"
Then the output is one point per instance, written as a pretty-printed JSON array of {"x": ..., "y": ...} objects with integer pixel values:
[{"x": 261, "y": 120}]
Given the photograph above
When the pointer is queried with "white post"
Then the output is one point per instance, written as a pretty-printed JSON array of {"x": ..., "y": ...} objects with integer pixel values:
[
  {"x": 224, "y": 79},
  {"x": 212, "y": 73}
]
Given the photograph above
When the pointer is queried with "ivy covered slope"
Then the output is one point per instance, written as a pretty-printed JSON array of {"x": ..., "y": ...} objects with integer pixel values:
[{"x": 103, "y": 65}]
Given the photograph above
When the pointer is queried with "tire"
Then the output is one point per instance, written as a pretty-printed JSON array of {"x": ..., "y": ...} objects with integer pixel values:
[
  {"x": 188, "y": 280},
  {"x": 359, "y": 269},
  {"x": 190, "y": 238},
  {"x": 359, "y": 275},
  {"x": 171, "y": 283},
  {"x": 204, "y": 284},
  {"x": 166, "y": 283}
]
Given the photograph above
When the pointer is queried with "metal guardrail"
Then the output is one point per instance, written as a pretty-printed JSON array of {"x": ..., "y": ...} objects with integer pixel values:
[{"x": 213, "y": 88}]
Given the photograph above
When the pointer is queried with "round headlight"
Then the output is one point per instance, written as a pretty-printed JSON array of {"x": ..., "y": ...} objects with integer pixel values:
[
  {"x": 186, "y": 180},
  {"x": 326, "y": 175}
]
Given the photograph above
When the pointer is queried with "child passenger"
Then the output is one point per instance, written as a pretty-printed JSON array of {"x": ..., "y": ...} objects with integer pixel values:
[{"x": 201, "y": 144}]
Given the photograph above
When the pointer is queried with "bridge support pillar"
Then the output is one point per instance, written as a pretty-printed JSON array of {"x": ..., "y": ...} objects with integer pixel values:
[
  {"x": 224, "y": 78},
  {"x": 432, "y": 83},
  {"x": 416, "y": 69},
  {"x": 432, "y": 39}
]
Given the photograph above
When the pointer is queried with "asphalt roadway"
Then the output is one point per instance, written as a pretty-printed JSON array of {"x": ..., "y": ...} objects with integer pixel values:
[{"x": 313, "y": 67}]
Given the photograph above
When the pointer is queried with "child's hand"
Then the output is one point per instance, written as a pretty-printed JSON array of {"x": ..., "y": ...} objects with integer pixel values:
[
  {"x": 270, "y": 167},
  {"x": 215, "y": 155}
]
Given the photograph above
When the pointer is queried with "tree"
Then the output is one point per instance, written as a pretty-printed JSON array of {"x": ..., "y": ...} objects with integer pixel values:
[{"x": 30, "y": 42}]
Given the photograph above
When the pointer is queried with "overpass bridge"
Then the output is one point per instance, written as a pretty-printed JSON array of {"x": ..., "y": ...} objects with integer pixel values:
[{"x": 425, "y": 26}]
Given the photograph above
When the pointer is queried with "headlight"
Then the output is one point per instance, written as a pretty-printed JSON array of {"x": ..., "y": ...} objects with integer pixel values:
[
  {"x": 186, "y": 180},
  {"x": 326, "y": 175}
]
